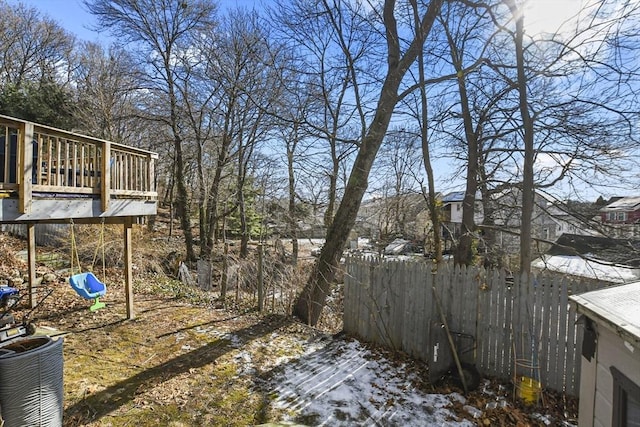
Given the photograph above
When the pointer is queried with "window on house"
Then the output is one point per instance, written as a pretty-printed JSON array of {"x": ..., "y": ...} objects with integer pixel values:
[
  {"x": 617, "y": 216},
  {"x": 458, "y": 205},
  {"x": 626, "y": 401}
]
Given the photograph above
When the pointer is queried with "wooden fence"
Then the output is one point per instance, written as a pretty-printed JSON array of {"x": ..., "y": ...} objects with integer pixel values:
[{"x": 501, "y": 325}]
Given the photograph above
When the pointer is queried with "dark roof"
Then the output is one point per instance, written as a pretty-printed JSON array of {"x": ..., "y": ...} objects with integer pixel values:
[{"x": 620, "y": 251}]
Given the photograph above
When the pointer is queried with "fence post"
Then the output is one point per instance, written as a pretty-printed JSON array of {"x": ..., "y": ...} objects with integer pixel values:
[
  {"x": 25, "y": 164},
  {"x": 260, "y": 279},
  {"x": 224, "y": 279},
  {"x": 31, "y": 257}
]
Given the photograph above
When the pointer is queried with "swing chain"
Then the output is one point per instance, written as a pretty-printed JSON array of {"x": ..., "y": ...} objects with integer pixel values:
[
  {"x": 100, "y": 245},
  {"x": 74, "y": 249}
]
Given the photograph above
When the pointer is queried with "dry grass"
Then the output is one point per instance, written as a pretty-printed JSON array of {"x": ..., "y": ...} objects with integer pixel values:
[{"x": 182, "y": 361}]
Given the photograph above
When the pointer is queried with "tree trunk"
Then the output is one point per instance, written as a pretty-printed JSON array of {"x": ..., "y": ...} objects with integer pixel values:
[
  {"x": 528, "y": 188},
  {"x": 212, "y": 209},
  {"x": 293, "y": 226},
  {"x": 244, "y": 229},
  {"x": 332, "y": 191},
  {"x": 464, "y": 253},
  {"x": 182, "y": 201},
  {"x": 214, "y": 191},
  {"x": 205, "y": 250},
  {"x": 432, "y": 202},
  {"x": 311, "y": 301}
]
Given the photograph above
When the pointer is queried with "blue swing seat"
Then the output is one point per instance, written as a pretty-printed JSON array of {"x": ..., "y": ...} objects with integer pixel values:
[{"x": 88, "y": 286}]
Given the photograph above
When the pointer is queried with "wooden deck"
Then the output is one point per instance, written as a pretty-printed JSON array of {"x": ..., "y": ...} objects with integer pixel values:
[{"x": 51, "y": 175}]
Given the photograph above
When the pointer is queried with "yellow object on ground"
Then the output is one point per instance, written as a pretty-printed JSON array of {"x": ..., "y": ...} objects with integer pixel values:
[{"x": 529, "y": 390}]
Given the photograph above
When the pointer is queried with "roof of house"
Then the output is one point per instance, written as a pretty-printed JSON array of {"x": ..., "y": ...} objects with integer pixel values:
[
  {"x": 587, "y": 267},
  {"x": 616, "y": 307},
  {"x": 618, "y": 251},
  {"x": 624, "y": 204},
  {"x": 455, "y": 196}
]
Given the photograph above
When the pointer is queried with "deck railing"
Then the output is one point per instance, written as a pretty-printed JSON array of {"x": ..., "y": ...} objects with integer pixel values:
[{"x": 42, "y": 161}]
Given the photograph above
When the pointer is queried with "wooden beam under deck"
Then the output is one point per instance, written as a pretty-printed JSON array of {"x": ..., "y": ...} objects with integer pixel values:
[{"x": 62, "y": 210}]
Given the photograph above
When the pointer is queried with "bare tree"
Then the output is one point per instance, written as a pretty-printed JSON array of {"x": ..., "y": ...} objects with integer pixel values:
[
  {"x": 571, "y": 129},
  {"x": 32, "y": 47},
  {"x": 159, "y": 30},
  {"x": 400, "y": 56},
  {"x": 563, "y": 121},
  {"x": 295, "y": 103},
  {"x": 107, "y": 90},
  {"x": 243, "y": 74},
  {"x": 36, "y": 57},
  {"x": 331, "y": 54},
  {"x": 422, "y": 117},
  {"x": 395, "y": 167}
]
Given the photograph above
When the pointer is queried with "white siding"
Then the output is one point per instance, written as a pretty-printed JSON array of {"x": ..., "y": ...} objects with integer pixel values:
[
  {"x": 612, "y": 351},
  {"x": 587, "y": 391},
  {"x": 456, "y": 212}
]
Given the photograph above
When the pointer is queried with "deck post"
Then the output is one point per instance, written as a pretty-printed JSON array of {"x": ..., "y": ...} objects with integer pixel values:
[
  {"x": 26, "y": 166},
  {"x": 31, "y": 259},
  {"x": 128, "y": 273},
  {"x": 105, "y": 185}
]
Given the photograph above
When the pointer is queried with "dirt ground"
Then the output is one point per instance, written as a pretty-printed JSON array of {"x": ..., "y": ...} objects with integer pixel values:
[{"x": 180, "y": 361}]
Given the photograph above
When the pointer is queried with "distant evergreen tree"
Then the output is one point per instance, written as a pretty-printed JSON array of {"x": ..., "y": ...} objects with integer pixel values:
[{"x": 46, "y": 103}]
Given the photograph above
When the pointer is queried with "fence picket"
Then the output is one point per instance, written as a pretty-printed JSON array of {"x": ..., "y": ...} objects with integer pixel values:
[
  {"x": 469, "y": 308},
  {"x": 552, "y": 366},
  {"x": 348, "y": 316},
  {"x": 508, "y": 322},
  {"x": 419, "y": 316},
  {"x": 539, "y": 310},
  {"x": 563, "y": 349},
  {"x": 482, "y": 328},
  {"x": 573, "y": 359},
  {"x": 396, "y": 300}
]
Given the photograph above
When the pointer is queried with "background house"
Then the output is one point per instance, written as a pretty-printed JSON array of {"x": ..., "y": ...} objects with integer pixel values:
[
  {"x": 384, "y": 219},
  {"x": 622, "y": 216},
  {"x": 610, "y": 362},
  {"x": 452, "y": 208},
  {"x": 551, "y": 219}
]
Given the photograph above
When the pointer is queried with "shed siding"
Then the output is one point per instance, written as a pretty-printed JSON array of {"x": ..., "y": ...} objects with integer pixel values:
[
  {"x": 612, "y": 351},
  {"x": 587, "y": 391},
  {"x": 597, "y": 423}
]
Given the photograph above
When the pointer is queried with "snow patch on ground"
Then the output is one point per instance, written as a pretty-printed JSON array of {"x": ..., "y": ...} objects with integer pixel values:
[{"x": 340, "y": 383}]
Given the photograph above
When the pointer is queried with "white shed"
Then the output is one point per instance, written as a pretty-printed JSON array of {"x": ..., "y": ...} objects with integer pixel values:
[{"x": 610, "y": 369}]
